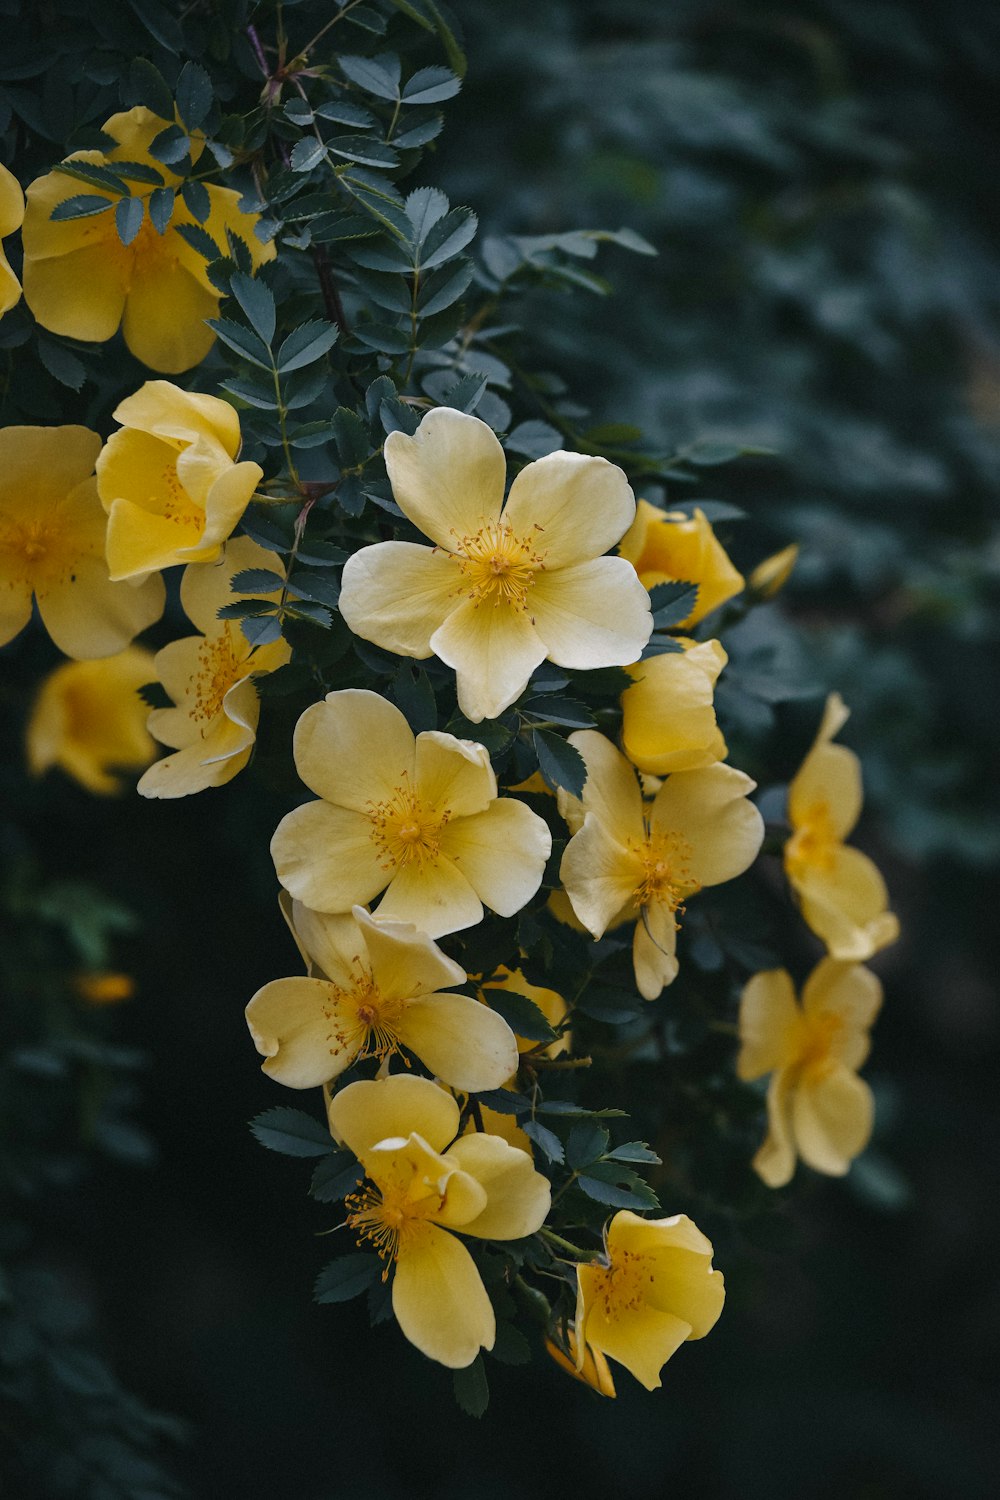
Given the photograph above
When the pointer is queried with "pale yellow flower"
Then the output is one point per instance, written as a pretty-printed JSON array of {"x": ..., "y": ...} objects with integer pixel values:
[
  {"x": 668, "y": 715},
  {"x": 505, "y": 586},
  {"x": 841, "y": 893},
  {"x": 11, "y": 214},
  {"x": 425, "y": 1187},
  {"x": 52, "y": 537},
  {"x": 213, "y": 725},
  {"x": 81, "y": 281},
  {"x": 593, "y": 1369},
  {"x": 374, "y": 988},
  {"x": 169, "y": 479},
  {"x": 668, "y": 547},
  {"x": 416, "y": 817},
  {"x": 89, "y": 720},
  {"x": 655, "y": 1289},
  {"x": 642, "y": 862},
  {"x": 817, "y": 1106}
]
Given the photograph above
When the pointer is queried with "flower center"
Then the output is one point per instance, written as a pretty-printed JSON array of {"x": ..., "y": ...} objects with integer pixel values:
[
  {"x": 35, "y": 552},
  {"x": 376, "y": 1017},
  {"x": 814, "y": 843},
  {"x": 498, "y": 567},
  {"x": 621, "y": 1286},
  {"x": 387, "y": 1213},
  {"x": 220, "y": 665},
  {"x": 666, "y": 872},
  {"x": 406, "y": 830},
  {"x": 822, "y": 1035}
]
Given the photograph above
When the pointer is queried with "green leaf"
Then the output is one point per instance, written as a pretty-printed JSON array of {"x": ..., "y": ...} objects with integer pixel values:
[
  {"x": 383, "y": 337},
  {"x": 292, "y": 1132},
  {"x": 560, "y": 763},
  {"x": 419, "y": 135},
  {"x": 613, "y": 1196},
  {"x": 242, "y": 340},
  {"x": 306, "y": 344},
  {"x": 351, "y": 437},
  {"x": 88, "y": 172},
  {"x": 534, "y": 439},
  {"x": 376, "y": 75},
  {"x": 261, "y": 632},
  {"x": 634, "y": 1151},
  {"x": 306, "y": 153},
  {"x": 443, "y": 288},
  {"x": 465, "y": 394},
  {"x": 146, "y": 85},
  {"x": 547, "y": 1140},
  {"x": 129, "y": 213},
  {"x": 504, "y": 1101},
  {"x": 522, "y": 1015},
  {"x": 199, "y": 239},
  {"x": 453, "y": 52},
  {"x": 245, "y": 609},
  {"x": 195, "y": 94},
  {"x": 671, "y": 603},
  {"x": 610, "y": 434},
  {"x": 510, "y": 1347},
  {"x": 138, "y": 171},
  {"x": 257, "y": 301},
  {"x": 318, "y": 587},
  {"x": 170, "y": 146},
  {"x": 253, "y": 395},
  {"x": 347, "y": 1277},
  {"x": 61, "y": 363},
  {"x": 335, "y": 1176},
  {"x": 80, "y": 206},
  {"x": 362, "y": 148},
  {"x": 196, "y": 198},
  {"x": 161, "y": 208},
  {"x": 471, "y": 1387},
  {"x": 412, "y": 693},
  {"x": 346, "y": 114},
  {"x": 559, "y": 710},
  {"x": 587, "y": 1143},
  {"x": 329, "y": 227},
  {"x": 256, "y": 581},
  {"x": 431, "y": 86},
  {"x": 448, "y": 237},
  {"x": 321, "y": 554}
]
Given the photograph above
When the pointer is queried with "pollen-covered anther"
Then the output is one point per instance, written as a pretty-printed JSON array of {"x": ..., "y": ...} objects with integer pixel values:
[
  {"x": 219, "y": 667},
  {"x": 621, "y": 1286},
  {"x": 405, "y": 829},
  {"x": 666, "y": 872},
  {"x": 498, "y": 566}
]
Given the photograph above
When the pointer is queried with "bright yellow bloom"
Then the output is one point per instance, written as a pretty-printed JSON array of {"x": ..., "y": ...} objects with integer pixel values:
[
  {"x": 505, "y": 586},
  {"x": 668, "y": 716},
  {"x": 668, "y": 547},
  {"x": 655, "y": 1289},
  {"x": 88, "y": 718},
  {"x": 11, "y": 214},
  {"x": 213, "y": 725},
  {"x": 422, "y": 1184},
  {"x": 52, "y": 536},
  {"x": 375, "y": 987},
  {"x": 104, "y": 988},
  {"x": 169, "y": 480},
  {"x": 416, "y": 817},
  {"x": 630, "y": 861},
  {"x": 817, "y": 1106},
  {"x": 81, "y": 281},
  {"x": 770, "y": 576},
  {"x": 841, "y": 893},
  {"x": 594, "y": 1369}
]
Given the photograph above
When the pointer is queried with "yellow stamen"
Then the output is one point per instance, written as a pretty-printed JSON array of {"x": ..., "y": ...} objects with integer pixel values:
[
  {"x": 621, "y": 1285},
  {"x": 498, "y": 566},
  {"x": 221, "y": 664},
  {"x": 404, "y": 829},
  {"x": 373, "y": 1030},
  {"x": 666, "y": 878}
]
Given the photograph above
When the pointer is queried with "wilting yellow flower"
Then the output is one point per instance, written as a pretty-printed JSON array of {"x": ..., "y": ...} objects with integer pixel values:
[
  {"x": 81, "y": 281},
  {"x": 505, "y": 586},
  {"x": 817, "y": 1106},
  {"x": 841, "y": 893},
  {"x": 655, "y": 1289},
  {"x": 52, "y": 535},
  {"x": 771, "y": 575},
  {"x": 213, "y": 725},
  {"x": 668, "y": 547},
  {"x": 593, "y": 1370},
  {"x": 169, "y": 481},
  {"x": 11, "y": 214},
  {"x": 375, "y": 987},
  {"x": 416, "y": 817},
  {"x": 420, "y": 1188},
  {"x": 630, "y": 861},
  {"x": 104, "y": 988},
  {"x": 88, "y": 719},
  {"x": 668, "y": 715}
]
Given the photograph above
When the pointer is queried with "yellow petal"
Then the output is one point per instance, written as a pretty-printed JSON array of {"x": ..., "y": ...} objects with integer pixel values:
[
  {"x": 39, "y": 466},
  {"x": 330, "y": 943},
  {"x": 439, "y": 1298},
  {"x": 227, "y": 499},
  {"x": 654, "y": 950},
  {"x": 206, "y": 587},
  {"x": 642, "y": 1339},
  {"x": 600, "y": 875},
  {"x": 502, "y": 852},
  {"x": 518, "y": 1197},
  {"x": 830, "y": 776},
  {"x": 140, "y": 542},
  {"x": 435, "y": 896},
  {"x": 611, "y": 791},
  {"x": 853, "y": 995},
  {"x": 11, "y": 203},
  {"x": 324, "y": 856},
  {"x": 668, "y": 716},
  {"x": 671, "y": 546},
  {"x": 425, "y": 1180},
  {"x": 164, "y": 318},
  {"x": 593, "y": 615},
  {"x": 180, "y": 417},
  {"x": 677, "y": 1266},
  {"x": 453, "y": 776},
  {"x": 710, "y": 811},
  {"x": 373, "y": 1110},
  {"x": 845, "y": 905},
  {"x": 774, "y": 1163},
  {"x": 304, "y": 1031},
  {"x": 194, "y": 768},
  {"x": 832, "y": 1117},
  {"x": 448, "y": 478},
  {"x": 80, "y": 295},
  {"x": 329, "y": 737},
  {"x": 463, "y": 1043},
  {"x": 405, "y": 962},
  {"x": 397, "y": 594},
  {"x": 493, "y": 650},
  {"x": 771, "y": 1031},
  {"x": 594, "y": 1370},
  {"x": 580, "y": 505},
  {"x": 88, "y": 719}
]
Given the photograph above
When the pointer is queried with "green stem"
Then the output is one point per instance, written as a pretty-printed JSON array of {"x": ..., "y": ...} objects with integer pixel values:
[{"x": 574, "y": 1250}]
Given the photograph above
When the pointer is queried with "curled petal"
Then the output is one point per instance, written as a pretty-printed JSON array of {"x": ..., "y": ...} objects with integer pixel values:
[
  {"x": 518, "y": 1197},
  {"x": 373, "y": 1110}
]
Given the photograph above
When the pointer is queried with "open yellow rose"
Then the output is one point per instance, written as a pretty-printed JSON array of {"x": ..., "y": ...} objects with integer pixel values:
[
  {"x": 81, "y": 281},
  {"x": 415, "y": 816},
  {"x": 425, "y": 1188},
  {"x": 52, "y": 540},
  {"x": 505, "y": 586},
  {"x": 213, "y": 725},
  {"x": 668, "y": 715},
  {"x": 629, "y": 861},
  {"x": 169, "y": 479},
  {"x": 817, "y": 1106},
  {"x": 654, "y": 1290},
  {"x": 89, "y": 720},
  {"x": 11, "y": 214},
  {"x": 373, "y": 988},
  {"x": 841, "y": 892},
  {"x": 668, "y": 547}
]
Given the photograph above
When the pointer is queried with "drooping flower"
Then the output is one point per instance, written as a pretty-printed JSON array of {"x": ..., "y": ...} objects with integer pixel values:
[
  {"x": 81, "y": 281},
  {"x": 89, "y": 720},
  {"x": 593, "y": 1369},
  {"x": 374, "y": 987},
  {"x": 505, "y": 586},
  {"x": 655, "y": 1289},
  {"x": 213, "y": 724},
  {"x": 817, "y": 1106},
  {"x": 416, "y": 817},
  {"x": 841, "y": 893},
  {"x": 52, "y": 538},
  {"x": 169, "y": 479},
  {"x": 635, "y": 861},
  {"x": 425, "y": 1188},
  {"x": 668, "y": 715},
  {"x": 11, "y": 214},
  {"x": 668, "y": 547}
]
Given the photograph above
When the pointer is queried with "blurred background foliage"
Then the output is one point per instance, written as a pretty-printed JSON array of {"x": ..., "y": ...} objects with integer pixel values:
[{"x": 819, "y": 182}]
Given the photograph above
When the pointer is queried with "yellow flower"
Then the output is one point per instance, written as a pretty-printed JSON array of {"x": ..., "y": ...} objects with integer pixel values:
[
  {"x": 418, "y": 818},
  {"x": 655, "y": 1289},
  {"x": 104, "y": 988},
  {"x": 169, "y": 481},
  {"x": 505, "y": 586},
  {"x": 213, "y": 725},
  {"x": 817, "y": 1106},
  {"x": 630, "y": 861},
  {"x": 375, "y": 987},
  {"x": 668, "y": 546},
  {"x": 81, "y": 281},
  {"x": 88, "y": 717},
  {"x": 594, "y": 1369},
  {"x": 420, "y": 1188},
  {"x": 668, "y": 715},
  {"x": 52, "y": 535},
  {"x": 841, "y": 893},
  {"x": 771, "y": 575},
  {"x": 11, "y": 214}
]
